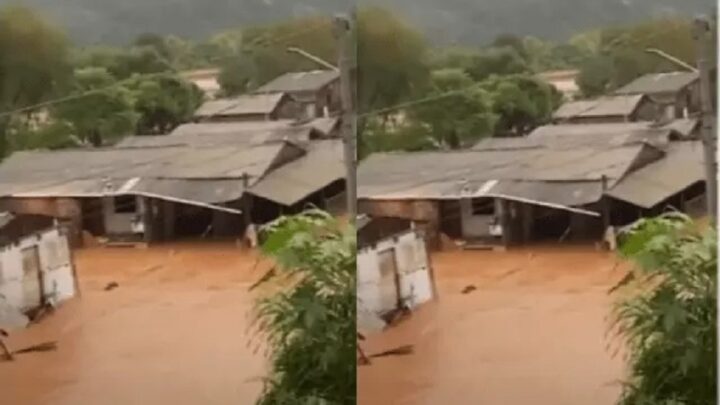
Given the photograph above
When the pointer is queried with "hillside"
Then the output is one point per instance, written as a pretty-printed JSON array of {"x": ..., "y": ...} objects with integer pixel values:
[{"x": 463, "y": 21}]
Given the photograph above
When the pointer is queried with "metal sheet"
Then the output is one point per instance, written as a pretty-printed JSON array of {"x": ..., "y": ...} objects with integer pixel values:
[
  {"x": 437, "y": 175},
  {"x": 658, "y": 181},
  {"x": 289, "y": 184}
]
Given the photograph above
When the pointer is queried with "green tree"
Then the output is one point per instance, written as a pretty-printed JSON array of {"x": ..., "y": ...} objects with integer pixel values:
[
  {"x": 154, "y": 41},
  {"x": 56, "y": 134},
  {"x": 103, "y": 113},
  {"x": 238, "y": 75},
  {"x": 307, "y": 313},
  {"x": 511, "y": 41},
  {"x": 33, "y": 63},
  {"x": 595, "y": 76},
  {"x": 462, "y": 113},
  {"x": 497, "y": 61},
  {"x": 666, "y": 314},
  {"x": 392, "y": 60},
  {"x": 452, "y": 57},
  {"x": 163, "y": 102},
  {"x": 621, "y": 53},
  {"x": 267, "y": 46},
  {"x": 406, "y": 135},
  {"x": 521, "y": 103},
  {"x": 122, "y": 62}
]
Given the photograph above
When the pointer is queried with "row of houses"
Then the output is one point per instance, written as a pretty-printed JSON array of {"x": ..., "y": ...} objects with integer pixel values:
[
  {"x": 600, "y": 165},
  {"x": 244, "y": 159},
  {"x": 240, "y": 161}
]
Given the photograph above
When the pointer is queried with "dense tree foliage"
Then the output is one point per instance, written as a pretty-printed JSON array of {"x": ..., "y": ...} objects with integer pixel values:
[
  {"x": 33, "y": 63},
  {"x": 460, "y": 119},
  {"x": 163, "y": 102},
  {"x": 306, "y": 312},
  {"x": 666, "y": 315},
  {"x": 101, "y": 116}
]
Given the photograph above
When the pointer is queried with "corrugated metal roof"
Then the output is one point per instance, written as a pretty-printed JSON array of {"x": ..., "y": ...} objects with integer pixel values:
[
  {"x": 610, "y": 106},
  {"x": 684, "y": 127},
  {"x": 490, "y": 144},
  {"x": 221, "y": 133},
  {"x": 96, "y": 172},
  {"x": 437, "y": 175},
  {"x": 659, "y": 83},
  {"x": 654, "y": 183},
  {"x": 300, "y": 82},
  {"x": 203, "y": 191},
  {"x": 289, "y": 184},
  {"x": 242, "y": 105}
]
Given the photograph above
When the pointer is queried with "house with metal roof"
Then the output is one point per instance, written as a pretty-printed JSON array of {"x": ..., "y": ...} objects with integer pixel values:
[
  {"x": 36, "y": 265},
  {"x": 249, "y": 107},
  {"x": 534, "y": 188},
  {"x": 393, "y": 267},
  {"x": 677, "y": 92},
  {"x": 318, "y": 91},
  {"x": 202, "y": 179},
  {"x": 607, "y": 109}
]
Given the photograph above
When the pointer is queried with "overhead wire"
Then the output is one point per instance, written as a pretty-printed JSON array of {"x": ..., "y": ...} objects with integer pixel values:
[{"x": 72, "y": 97}]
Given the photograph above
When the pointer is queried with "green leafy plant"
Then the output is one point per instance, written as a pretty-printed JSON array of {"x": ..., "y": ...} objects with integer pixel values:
[
  {"x": 666, "y": 313},
  {"x": 306, "y": 311}
]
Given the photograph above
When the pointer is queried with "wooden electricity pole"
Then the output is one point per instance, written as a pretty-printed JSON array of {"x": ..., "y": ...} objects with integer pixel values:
[
  {"x": 709, "y": 136},
  {"x": 344, "y": 27}
]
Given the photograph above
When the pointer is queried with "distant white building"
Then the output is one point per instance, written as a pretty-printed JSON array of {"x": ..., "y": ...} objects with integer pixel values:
[
  {"x": 206, "y": 80},
  {"x": 36, "y": 265},
  {"x": 565, "y": 81},
  {"x": 393, "y": 266}
]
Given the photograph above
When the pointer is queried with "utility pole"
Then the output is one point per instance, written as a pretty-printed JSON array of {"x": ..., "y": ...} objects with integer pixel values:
[
  {"x": 344, "y": 27},
  {"x": 709, "y": 136}
]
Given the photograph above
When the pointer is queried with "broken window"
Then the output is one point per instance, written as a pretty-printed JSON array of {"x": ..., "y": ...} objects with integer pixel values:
[
  {"x": 483, "y": 206},
  {"x": 126, "y": 204}
]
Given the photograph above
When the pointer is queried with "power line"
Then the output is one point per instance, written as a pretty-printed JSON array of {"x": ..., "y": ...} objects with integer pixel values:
[
  {"x": 88, "y": 93},
  {"x": 418, "y": 101}
]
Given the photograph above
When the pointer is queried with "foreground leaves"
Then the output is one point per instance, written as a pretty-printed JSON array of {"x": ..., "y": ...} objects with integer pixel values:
[
  {"x": 306, "y": 313},
  {"x": 666, "y": 313}
]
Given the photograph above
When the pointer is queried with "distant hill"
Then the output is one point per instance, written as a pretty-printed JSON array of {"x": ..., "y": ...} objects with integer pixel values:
[{"x": 444, "y": 21}]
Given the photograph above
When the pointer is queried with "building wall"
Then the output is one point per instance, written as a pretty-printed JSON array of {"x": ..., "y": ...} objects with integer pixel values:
[
  {"x": 425, "y": 214},
  {"x": 474, "y": 226},
  {"x": 68, "y": 211},
  {"x": 646, "y": 111},
  {"x": 121, "y": 223},
  {"x": 415, "y": 275},
  {"x": 56, "y": 267}
]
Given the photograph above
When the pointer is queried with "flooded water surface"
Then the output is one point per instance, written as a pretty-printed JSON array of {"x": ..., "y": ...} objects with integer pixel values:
[
  {"x": 172, "y": 332},
  {"x": 533, "y": 332}
]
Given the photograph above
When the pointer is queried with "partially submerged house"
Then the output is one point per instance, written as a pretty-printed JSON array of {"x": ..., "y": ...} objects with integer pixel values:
[
  {"x": 36, "y": 264},
  {"x": 317, "y": 91},
  {"x": 208, "y": 179},
  {"x": 249, "y": 107},
  {"x": 607, "y": 109},
  {"x": 393, "y": 265},
  {"x": 677, "y": 93},
  {"x": 522, "y": 190}
]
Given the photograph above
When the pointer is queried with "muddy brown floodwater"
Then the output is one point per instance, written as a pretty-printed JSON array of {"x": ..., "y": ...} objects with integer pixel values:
[
  {"x": 173, "y": 332},
  {"x": 532, "y": 333}
]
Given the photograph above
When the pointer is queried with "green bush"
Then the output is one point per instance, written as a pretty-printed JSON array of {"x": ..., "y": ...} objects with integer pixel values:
[
  {"x": 307, "y": 317},
  {"x": 666, "y": 313}
]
